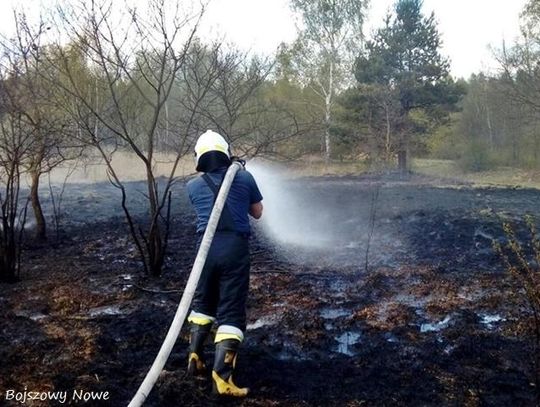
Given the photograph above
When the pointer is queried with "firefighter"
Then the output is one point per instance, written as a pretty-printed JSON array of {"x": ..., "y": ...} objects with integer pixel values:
[{"x": 221, "y": 294}]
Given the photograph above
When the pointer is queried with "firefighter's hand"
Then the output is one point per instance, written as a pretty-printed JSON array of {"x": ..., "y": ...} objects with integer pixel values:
[{"x": 239, "y": 160}]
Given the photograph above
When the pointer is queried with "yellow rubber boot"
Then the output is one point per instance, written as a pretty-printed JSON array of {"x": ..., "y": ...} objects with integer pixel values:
[
  {"x": 224, "y": 365},
  {"x": 196, "y": 360}
]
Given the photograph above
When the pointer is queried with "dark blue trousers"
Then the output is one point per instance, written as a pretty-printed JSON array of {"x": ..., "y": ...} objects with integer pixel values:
[{"x": 223, "y": 286}]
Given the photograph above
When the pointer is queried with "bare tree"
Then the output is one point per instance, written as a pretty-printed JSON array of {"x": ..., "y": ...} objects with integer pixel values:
[
  {"x": 229, "y": 91},
  {"x": 128, "y": 62},
  {"x": 36, "y": 104},
  {"x": 15, "y": 142}
]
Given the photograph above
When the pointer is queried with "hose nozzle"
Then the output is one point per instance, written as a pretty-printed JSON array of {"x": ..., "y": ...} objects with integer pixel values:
[{"x": 240, "y": 161}]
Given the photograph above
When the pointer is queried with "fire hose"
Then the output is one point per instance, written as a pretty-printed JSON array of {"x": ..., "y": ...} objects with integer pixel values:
[{"x": 183, "y": 307}]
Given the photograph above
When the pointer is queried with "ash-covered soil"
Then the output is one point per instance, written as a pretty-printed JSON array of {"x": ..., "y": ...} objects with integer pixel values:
[{"x": 430, "y": 318}]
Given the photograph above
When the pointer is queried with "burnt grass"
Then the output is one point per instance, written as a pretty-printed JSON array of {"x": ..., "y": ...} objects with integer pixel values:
[{"x": 433, "y": 320}]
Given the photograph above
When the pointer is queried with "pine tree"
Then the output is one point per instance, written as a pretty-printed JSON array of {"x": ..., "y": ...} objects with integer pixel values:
[{"x": 404, "y": 57}]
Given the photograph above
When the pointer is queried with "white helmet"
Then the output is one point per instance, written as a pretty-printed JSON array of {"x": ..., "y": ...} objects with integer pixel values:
[{"x": 211, "y": 141}]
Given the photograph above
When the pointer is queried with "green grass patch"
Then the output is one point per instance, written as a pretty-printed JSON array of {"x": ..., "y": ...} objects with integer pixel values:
[{"x": 499, "y": 176}]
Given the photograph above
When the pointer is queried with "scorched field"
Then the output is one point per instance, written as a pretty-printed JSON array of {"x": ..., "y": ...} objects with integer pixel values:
[{"x": 372, "y": 291}]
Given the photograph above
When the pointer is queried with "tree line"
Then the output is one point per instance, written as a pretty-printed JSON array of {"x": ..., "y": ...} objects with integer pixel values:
[
  {"x": 498, "y": 122},
  {"x": 102, "y": 77}
]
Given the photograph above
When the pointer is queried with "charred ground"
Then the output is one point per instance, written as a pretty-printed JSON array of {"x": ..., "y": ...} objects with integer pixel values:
[{"x": 434, "y": 320}]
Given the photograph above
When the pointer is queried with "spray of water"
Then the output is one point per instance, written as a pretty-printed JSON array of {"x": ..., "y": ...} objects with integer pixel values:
[
  {"x": 292, "y": 216},
  {"x": 324, "y": 222}
]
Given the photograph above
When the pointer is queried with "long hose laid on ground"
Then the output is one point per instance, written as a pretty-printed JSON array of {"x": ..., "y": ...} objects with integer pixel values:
[{"x": 183, "y": 307}]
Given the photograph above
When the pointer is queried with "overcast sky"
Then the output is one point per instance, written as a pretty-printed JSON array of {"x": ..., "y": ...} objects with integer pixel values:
[{"x": 468, "y": 27}]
